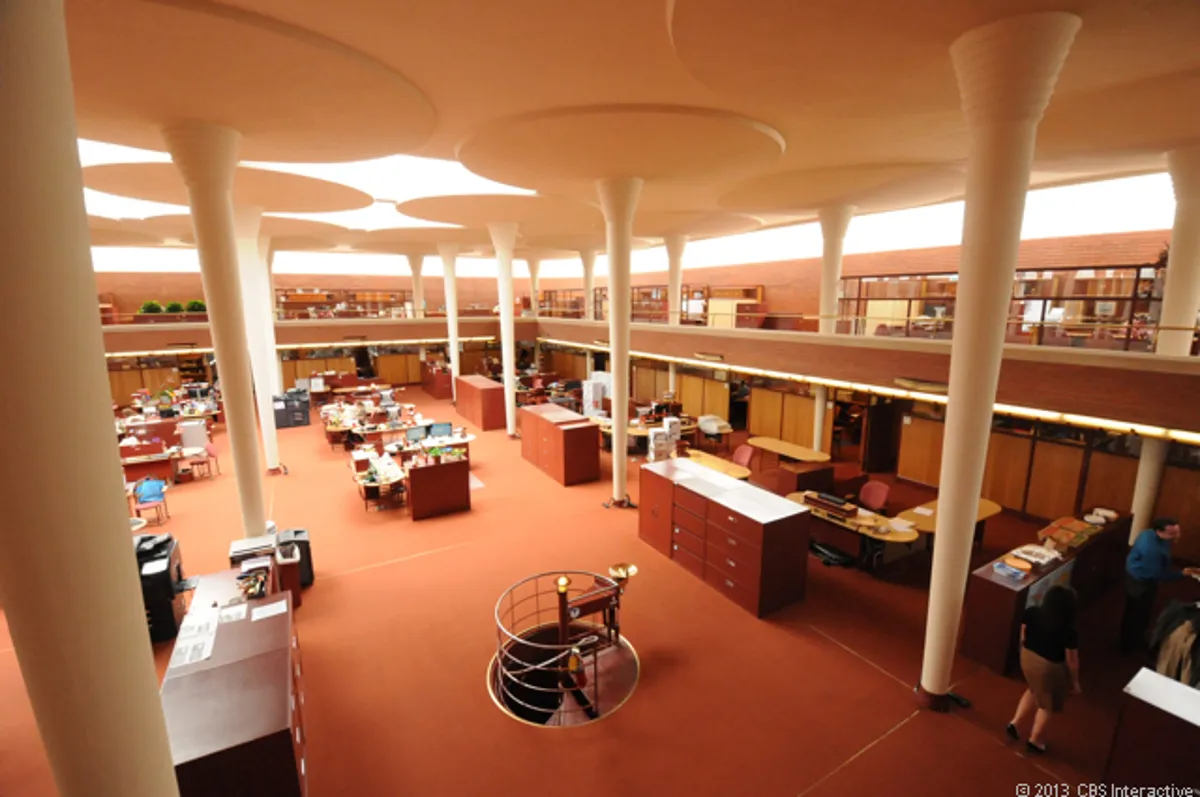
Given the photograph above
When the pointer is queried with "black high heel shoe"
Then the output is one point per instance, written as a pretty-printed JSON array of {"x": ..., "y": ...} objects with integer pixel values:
[
  {"x": 1011, "y": 730},
  {"x": 1035, "y": 748}
]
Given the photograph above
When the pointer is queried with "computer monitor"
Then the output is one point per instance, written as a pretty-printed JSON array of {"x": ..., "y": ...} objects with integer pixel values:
[
  {"x": 572, "y": 384},
  {"x": 415, "y": 434},
  {"x": 441, "y": 430}
]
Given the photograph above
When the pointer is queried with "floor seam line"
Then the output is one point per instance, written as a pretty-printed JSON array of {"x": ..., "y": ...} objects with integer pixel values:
[
  {"x": 857, "y": 655},
  {"x": 395, "y": 561},
  {"x": 860, "y": 752}
]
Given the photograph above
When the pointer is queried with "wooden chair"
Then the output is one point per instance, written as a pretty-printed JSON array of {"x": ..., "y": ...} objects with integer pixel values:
[{"x": 203, "y": 465}]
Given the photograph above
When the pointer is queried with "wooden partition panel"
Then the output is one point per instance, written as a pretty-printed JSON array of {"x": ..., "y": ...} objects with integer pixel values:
[
  {"x": 1054, "y": 480},
  {"x": 691, "y": 394},
  {"x": 392, "y": 368},
  {"x": 469, "y": 361},
  {"x": 341, "y": 365},
  {"x": 1007, "y": 469},
  {"x": 1110, "y": 481},
  {"x": 662, "y": 382},
  {"x": 413, "y": 366},
  {"x": 643, "y": 383},
  {"x": 921, "y": 450},
  {"x": 306, "y": 368},
  {"x": 288, "y": 372},
  {"x": 716, "y": 398},
  {"x": 1179, "y": 498},
  {"x": 797, "y": 426},
  {"x": 766, "y": 413},
  {"x": 124, "y": 384}
]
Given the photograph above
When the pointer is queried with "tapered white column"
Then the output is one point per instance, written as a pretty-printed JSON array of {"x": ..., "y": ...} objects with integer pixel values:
[
  {"x": 206, "y": 156},
  {"x": 618, "y": 200},
  {"x": 675, "y": 245},
  {"x": 1006, "y": 73},
  {"x": 835, "y": 220},
  {"x": 671, "y": 377},
  {"x": 416, "y": 264},
  {"x": 68, "y": 583},
  {"x": 1181, "y": 289},
  {"x": 449, "y": 255},
  {"x": 266, "y": 253},
  {"x": 1181, "y": 302},
  {"x": 588, "y": 258},
  {"x": 260, "y": 329},
  {"x": 535, "y": 266},
  {"x": 504, "y": 238}
]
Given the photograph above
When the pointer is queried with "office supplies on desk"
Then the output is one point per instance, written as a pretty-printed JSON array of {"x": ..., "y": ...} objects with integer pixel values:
[{"x": 441, "y": 430}]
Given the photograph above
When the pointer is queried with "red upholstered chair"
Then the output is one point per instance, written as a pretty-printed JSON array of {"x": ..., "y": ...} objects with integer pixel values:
[
  {"x": 743, "y": 455},
  {"x": 874, "y": 495}
]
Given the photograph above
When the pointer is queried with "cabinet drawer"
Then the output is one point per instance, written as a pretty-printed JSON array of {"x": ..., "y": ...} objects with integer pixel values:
[
  {"x": 740, "y": 561},
  {"x": 688, "y": 541},
  {"x": 728, "y": 586},
  {"x": 692, "y": 563},
  {"x": 688, "y": 521},
  {"x": 749, "y": 530},
  {"x": 726, "y": 540},
  {"x": 692, "y": 502}
]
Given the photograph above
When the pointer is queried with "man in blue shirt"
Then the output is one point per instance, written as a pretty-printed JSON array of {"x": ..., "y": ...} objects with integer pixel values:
[{"x": 1148, "y": 563}]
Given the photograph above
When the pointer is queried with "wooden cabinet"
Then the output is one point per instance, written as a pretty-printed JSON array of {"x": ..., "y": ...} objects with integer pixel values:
[
  {"x": 921, "y": 450},
  {"x": 747, "y": 543},
  {"x": 235, "y": 720},
  {"x": 437, "y": 383},
  {"x": 481, "y": 402},
  {"x": 439, "y": 489},
  {"x": 563, "y": 444}
]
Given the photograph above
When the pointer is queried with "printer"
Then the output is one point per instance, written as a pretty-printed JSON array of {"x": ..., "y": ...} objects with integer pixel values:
[{"x": 161, "y": 570}]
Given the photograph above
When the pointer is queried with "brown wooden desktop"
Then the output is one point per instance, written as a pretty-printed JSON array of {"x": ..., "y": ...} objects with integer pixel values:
[
  {"x": 748, "y": 544},
  {"x": 235, "y": 720},
  {"x": 563, "y": 444},
  {"x": 994, "y": 604},
  {"x": 481, "y": 402}
]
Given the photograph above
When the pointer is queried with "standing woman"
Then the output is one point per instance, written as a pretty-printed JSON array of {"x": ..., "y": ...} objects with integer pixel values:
[{"x": 1049, "y": 661}]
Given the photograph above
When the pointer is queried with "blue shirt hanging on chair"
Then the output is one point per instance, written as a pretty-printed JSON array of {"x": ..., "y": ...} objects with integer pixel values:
[{"x": 150, "y": 490}]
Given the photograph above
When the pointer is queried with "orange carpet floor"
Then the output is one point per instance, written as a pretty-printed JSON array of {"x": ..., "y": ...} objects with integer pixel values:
[{"x": 398, "y": 631}]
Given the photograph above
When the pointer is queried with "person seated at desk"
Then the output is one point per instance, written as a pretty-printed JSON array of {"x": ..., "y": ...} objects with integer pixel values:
[
  {"x": 1148, "y": 564},
  {"x": 524, "y": 360}
]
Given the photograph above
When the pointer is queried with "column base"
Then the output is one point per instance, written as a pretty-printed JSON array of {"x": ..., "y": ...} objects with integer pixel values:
[
  {"x": 280, "y": 471},
  {"x": 939, "y": 703},
  {"x": 624, "y": 503}
]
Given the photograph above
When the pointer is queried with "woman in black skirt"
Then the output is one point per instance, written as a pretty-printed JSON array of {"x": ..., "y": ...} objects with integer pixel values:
[{"x": 1049, "y": 661}]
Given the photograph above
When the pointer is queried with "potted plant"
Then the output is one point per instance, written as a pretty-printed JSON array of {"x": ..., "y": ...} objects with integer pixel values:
[
  {"x": 173, "y": 307},
  {"x": 149, "y": 312},
  {"x": 197, "y": 306}
]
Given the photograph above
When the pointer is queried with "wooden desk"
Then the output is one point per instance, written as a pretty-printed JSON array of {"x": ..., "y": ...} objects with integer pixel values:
[
  {"x": 747, "y": 543},
  {"x": 481, "y": 402},
  {"x": 563, "y": 444},
  {"x": 994, "y": 604},
  {"x": 785, "y": 450},
  {"x": 927, "y": 524},
  {"x": 1158, "y": 733},
  {"x": 160, "y": 466},
  {"x": 235, "y": 720},
  {"x": 731, "y": 469},
  {"x": 439, "y": 489}
]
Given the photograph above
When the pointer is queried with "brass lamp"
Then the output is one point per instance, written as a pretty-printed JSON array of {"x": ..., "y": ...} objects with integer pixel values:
[
  {"x": 623, "y": 571},
  {"x": 563, "y": 582}
]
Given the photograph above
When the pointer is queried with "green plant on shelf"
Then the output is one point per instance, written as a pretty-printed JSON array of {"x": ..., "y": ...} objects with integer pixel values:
[
  {"x": 197, "y": 306},
  {"x": 151, "y": 307},
  {"x": 174, "y": 307}
]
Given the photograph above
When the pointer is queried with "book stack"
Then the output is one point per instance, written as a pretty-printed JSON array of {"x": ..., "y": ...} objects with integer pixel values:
[{"x": 1068, "y": 532}]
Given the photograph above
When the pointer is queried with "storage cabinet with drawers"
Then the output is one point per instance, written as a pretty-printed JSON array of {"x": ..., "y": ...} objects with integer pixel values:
[
  {"x": 564, "y": 444},
  {"x": 747, "y": 543}
]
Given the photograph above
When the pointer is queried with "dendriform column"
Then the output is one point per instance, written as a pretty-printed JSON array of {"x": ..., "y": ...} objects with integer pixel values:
[
  {"x": 449, "y": 255},
  {"x": 206, "y": 156},
  {"x": 618, "y": 200},
  {"x": 534, "y": 265},
  {"x": 260, "y": 326},
  {"x": 68, "y": 583},
  {"x": 1006, "y": 73},
  {"x": 504, "y": 238},
  {"x": 266, "y": 253},
  {"x": 416, "y": 264},
  {"x": 675, "y": 245},
  {"x": 588, "y": 258},
  {"x": 1181, "y": 303},
  {"x": 834, "y": 221}
]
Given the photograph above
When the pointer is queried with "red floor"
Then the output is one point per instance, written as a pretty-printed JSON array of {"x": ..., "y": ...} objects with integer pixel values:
[{"x": 398, "y": 631}]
